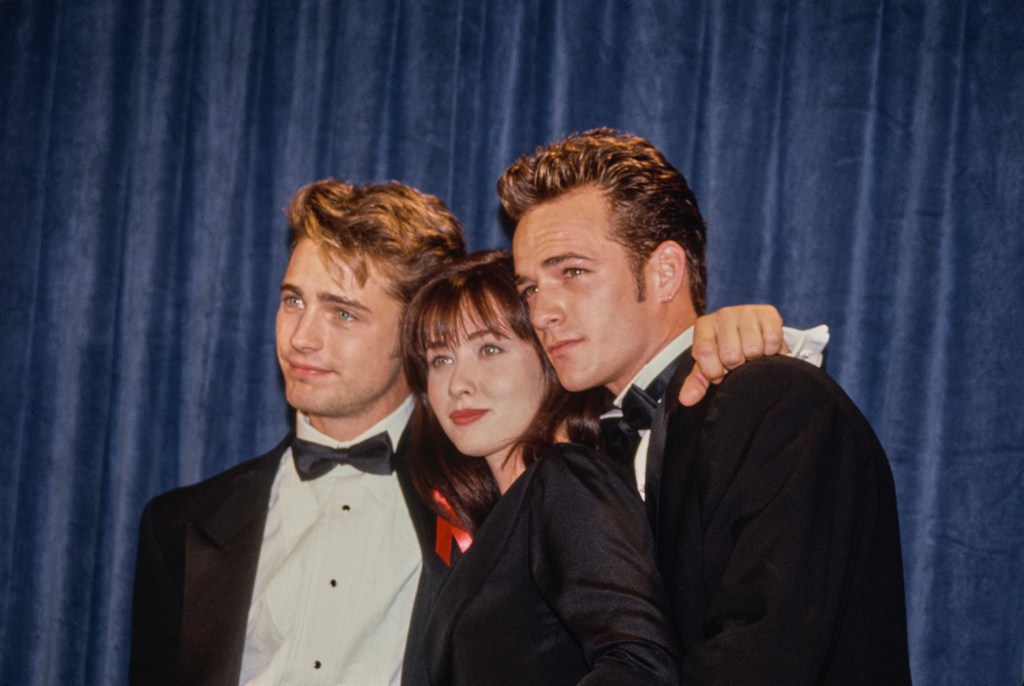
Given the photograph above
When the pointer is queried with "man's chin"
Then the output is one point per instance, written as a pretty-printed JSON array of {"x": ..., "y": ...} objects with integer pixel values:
[
  {"x": 303, "y": 400},
  {"x": 573, "y": 380}
]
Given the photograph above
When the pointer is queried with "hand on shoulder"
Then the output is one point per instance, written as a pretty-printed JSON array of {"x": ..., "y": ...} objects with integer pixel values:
[{"x": 727, "y": 339}]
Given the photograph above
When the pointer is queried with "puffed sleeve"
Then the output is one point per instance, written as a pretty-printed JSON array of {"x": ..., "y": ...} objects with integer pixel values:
[{"x": 590, "y": 555}]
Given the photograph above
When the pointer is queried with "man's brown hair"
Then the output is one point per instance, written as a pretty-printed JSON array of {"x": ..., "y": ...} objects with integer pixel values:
[
  {"x": 650, "y": 200},
  {"x": 405, "y": 234}
]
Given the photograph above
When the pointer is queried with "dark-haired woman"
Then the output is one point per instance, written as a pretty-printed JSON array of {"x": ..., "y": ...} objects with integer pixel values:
[{"x": 559, "y": 586}]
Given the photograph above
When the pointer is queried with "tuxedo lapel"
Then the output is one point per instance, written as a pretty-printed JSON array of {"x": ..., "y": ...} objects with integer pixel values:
[
  {"x": 222, "y": 549},
  {"x": 433, "y": 572},
  {"x": 423, "y": 518},
  {"x": 671, "y": 473},
  {"x": 656, "y": 446}
]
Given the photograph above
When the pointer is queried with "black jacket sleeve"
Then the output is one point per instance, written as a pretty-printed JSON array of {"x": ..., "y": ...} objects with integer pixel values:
[
  {"x": 790, "y": 539},
  {"x": 590, "y": 556}
]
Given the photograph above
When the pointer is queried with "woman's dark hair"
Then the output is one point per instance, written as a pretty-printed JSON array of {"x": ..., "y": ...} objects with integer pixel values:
[{"x": 479, "y": 290}]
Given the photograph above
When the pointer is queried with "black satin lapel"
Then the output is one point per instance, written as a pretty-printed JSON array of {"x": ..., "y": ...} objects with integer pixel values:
[
  {"x": 433, "y": 572},
  {"x": 469, "y": 576},
  {"x": 656, "y": 446},
  {"x": 222, "y": 551},
  {"x": 217, "y": 595},
  {"x": 424, "y": 521},
  {"x": 221, "y": 556},
  {"x": 245, "y": 498}
]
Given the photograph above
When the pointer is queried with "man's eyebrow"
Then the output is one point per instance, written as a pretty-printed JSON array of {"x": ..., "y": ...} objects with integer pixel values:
[
  {"x": 331, "y": 298},
  {"x": 554, "y": 261},
  {"x": 335, "y": 299},
  {"x": 564, "y": 257}
]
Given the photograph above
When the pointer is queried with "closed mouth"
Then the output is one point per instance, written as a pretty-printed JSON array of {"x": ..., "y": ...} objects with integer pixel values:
[
  {"x": 463, "y": 417},
  {"x": 560, "y": 347},
  {"x": 305, "y": 369}
]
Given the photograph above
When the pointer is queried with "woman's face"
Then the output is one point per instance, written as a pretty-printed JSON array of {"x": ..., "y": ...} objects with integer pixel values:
[{"x": 485, "y": 391}]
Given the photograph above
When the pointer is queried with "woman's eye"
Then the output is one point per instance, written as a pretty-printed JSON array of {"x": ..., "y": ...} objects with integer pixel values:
[
  {"x": 490, "y": 349},
  {"x": 440, "y": 360}
]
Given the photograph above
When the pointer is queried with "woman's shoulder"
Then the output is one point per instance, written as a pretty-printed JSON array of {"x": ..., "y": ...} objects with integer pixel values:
[{"x": 572, "y": 466}]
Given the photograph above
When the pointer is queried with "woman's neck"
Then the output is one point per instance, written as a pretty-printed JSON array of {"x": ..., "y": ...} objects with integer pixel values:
[{"x": 506, "y": 468}]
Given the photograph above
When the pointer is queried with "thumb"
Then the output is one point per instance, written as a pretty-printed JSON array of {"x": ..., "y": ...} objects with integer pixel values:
[{"x": 695, "y": 386}]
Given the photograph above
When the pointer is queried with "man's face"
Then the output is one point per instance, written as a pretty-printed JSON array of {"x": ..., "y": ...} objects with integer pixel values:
[
  {"x": 582, "y": 293},
  {"x": 337, "y": 344}
]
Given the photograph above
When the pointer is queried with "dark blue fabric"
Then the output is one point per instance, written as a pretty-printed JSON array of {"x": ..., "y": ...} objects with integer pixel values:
[{"x": 859, "y": 163}]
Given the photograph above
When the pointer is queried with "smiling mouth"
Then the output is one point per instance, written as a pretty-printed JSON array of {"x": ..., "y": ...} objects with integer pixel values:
[{"x": 463, "y": 417}]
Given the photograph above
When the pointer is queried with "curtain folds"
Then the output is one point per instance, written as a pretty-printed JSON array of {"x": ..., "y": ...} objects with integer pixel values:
[{"x": 859, "y": 164}]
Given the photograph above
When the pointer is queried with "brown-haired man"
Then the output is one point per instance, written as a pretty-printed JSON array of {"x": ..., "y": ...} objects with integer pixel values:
[
  {"x": 264, "y": 574},
  {"x": 283, "y": 569},
  {"x": 771, "y": 501}
]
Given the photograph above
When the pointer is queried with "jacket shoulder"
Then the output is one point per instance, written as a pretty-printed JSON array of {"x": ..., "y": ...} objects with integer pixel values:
[
  {"x": 769, "y": 386},
  {"x": 190, "y": 501},
  {"x": 574, "y": 465}
]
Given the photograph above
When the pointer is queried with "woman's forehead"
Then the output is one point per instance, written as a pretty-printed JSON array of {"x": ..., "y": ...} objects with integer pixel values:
[{"x": 467, "y": 321}]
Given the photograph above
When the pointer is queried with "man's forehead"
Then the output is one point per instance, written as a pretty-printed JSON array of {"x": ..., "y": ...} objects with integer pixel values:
[
  {"x": 350, "y": 274},
  {"x": 546, "y": 245}
]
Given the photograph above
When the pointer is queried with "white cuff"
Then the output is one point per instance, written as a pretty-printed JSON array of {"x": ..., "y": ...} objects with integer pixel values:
[{"x": 807, "y": 344}]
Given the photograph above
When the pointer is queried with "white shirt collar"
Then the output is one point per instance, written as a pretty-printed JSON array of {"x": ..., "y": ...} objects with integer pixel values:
[
  {"x": 394, "y": 424},
  {"x": 649, "y": 372}
]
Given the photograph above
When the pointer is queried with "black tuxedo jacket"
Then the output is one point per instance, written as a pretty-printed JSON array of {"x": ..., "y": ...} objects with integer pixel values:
[
  {"x": 774, "y": 517},
  {"x": 199, "y": 547},
  {"x": 559, "y": 586}
]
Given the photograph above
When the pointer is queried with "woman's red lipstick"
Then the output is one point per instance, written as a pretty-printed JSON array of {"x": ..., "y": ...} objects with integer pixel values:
[{"x": 463, "y": 417}]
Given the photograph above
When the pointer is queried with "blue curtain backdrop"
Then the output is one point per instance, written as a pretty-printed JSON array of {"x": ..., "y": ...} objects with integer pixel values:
[{"x": 859, "y": 163}]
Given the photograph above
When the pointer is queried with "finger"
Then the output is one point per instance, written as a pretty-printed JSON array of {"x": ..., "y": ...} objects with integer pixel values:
[
  {"x": 730, "y": 338},
  {"x": 705, "y": 350},
  {"x": 695, "y": 386},
  {"x": 724, "y": 325},
  {"x": 752, "y": 334},
  {"x": 770, "y": 322}
]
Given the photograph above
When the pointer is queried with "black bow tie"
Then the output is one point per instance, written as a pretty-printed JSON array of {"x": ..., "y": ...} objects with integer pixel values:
[
  {"x": 313, "y": 460},
  {"x": 622, "y": 434}
]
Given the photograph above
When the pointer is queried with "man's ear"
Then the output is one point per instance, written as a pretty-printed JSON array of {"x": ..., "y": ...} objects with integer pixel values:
[{"x": 666, "y": 271}]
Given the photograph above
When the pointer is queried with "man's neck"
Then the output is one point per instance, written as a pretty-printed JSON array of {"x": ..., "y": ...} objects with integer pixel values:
[
  {"x": 668, "y": 351},
  {"x": 336, "y": 431},
  {"x": 676, "y": 318}
]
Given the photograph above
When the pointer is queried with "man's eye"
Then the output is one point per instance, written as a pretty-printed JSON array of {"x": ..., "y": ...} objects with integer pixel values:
[
  {"x": 527, "y": 292},
  {"x": 345, "y": 315},
  {"x": 292, "y": 301},
  {"x": 573, "y": 272}
]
